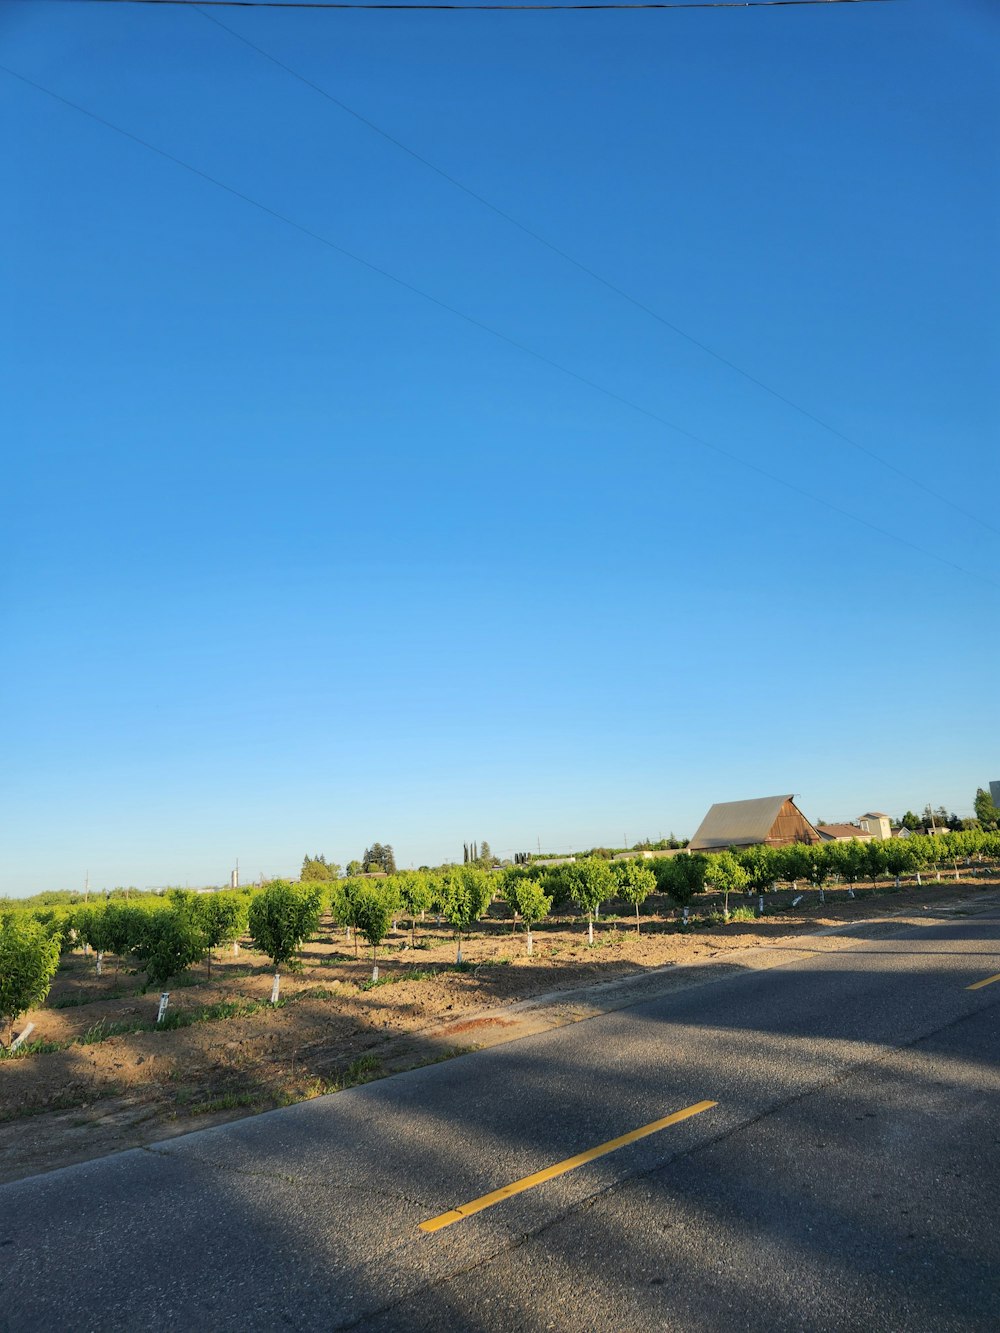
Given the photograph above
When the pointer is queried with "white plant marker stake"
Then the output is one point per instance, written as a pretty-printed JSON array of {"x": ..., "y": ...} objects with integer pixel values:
[
  {"x": 164, "y": 1001},
  {"x": 274, "y": 988},
  {"x": 22, "y": 1035}
]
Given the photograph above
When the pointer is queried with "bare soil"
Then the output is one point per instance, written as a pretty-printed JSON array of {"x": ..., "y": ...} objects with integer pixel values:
[{"x": 96, "y": 1093}]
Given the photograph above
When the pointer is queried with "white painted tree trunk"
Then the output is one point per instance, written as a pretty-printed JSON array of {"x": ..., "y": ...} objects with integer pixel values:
[
  {"x": 458, "y": 955},
  {"x": 374, "y": 971},
  {"x": 164, "y": 1001},
  {"x": 275, "y": 986},
  {"x": 590, "y": 930},
  {"x": 531, "y": 945},
  {"x": 760, "y": 904},
  {"x": 100, "y": 962}
]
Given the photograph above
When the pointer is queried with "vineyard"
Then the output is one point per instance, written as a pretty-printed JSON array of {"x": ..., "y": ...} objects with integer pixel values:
[{"x": 142, "y": 1014}]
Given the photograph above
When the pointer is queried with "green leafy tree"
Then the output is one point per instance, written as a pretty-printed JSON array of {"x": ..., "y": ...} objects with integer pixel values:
[
  {"x": 726, "y": 875},
  {"x": 28, "y": 961},
  {"x": 682, "y": 877},
  {"x": 466, "y": 893},
  {"x": 169, "y": 942},
  {"x": 987, "y": 813},
  {"x": 792, "y": 862},
  {"x": 316, "y": 870},
  {"x": 416, "y": 891},
  {"x": 532, "y": 904},
  {"x": 353, "y": 868},
  {"x": 634, "y": 883},
  {"x": 343, "y": 905},
  {"x": 282, "y": 917},
  {"x": 760, "y": 864},
  {"x": 223, "y": 919},
  {"x": 591, "y": 884},
  {"x": 848, "y": 860},
  {"x": 821, "y": 862},
  {"x": 876, "y": 863},
  {"x": 899, "y": 858},
  {"x": 378, "y": 857},
  {"x": 373, "y": 908}
]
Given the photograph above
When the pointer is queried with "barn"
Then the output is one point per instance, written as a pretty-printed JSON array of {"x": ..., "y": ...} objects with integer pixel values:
[{"x": 774, "y": 821}]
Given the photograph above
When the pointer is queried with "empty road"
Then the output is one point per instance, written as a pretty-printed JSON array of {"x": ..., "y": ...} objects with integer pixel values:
[{"x": 828, "y": 1159}]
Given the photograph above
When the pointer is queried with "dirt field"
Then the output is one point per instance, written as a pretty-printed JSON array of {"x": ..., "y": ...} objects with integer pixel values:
[{"x": 96, "y": 1088}]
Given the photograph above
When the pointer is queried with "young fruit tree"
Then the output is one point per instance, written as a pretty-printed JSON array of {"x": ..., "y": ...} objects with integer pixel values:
[
  {"x": 282, "y": 917},
  {"x": 222, "y": 918},
  {"x": 168, "y": 943},
  {"x": 373, "y": 909},
  {"x": 28, "y": 961},
  {"x": 726, "y": 876},
  {"x": 465, "y": 895},
  {"x": 525, "y": 896},
  {"x": 416, "y": 893},
  {"x": 682, "y": 877},
  {"x": 635, "y": 882},
  {"x": 592, "y": 883}
]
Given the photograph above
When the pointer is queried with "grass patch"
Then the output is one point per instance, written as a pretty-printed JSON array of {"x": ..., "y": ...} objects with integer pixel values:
[
  {"x": 75, "y": 1001},
  {"x": 38, "y": 1047},
  {"x": 229, "y": 1101},
  {"x": 394, "y": 978}
]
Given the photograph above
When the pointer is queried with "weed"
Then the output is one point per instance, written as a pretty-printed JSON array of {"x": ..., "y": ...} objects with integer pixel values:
[
  {"x": 229, "y": 1101},
  {"x": 393, "y": 978},
  {"x": 38, "y": 1047}
]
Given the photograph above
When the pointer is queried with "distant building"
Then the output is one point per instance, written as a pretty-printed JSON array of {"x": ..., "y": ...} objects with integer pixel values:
[
  {"x": 877, "y": 825},
  {"x": 842, "y": 833},
  {"x": 774, "y": 821},
  {"x": 995, "y": 793}
]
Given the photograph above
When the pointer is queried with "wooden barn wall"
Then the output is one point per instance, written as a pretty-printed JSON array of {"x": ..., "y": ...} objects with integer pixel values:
[{"x": 791, "y": 825}]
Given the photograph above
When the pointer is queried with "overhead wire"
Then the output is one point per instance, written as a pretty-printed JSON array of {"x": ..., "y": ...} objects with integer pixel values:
[
  {"x": 515, "y": 343},
  {"x": 592, "y": 273}
]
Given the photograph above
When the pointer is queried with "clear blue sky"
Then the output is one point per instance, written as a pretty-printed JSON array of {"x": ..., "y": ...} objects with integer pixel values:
[{"x": 295, "y": 559}]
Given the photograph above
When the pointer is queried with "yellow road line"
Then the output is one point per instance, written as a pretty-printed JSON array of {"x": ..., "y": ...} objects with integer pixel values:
[
  {"x": 988, "y": 981},
  {"x": 560, "y": 1168}
]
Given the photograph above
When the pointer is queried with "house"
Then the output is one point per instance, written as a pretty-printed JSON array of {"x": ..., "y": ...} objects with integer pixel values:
[
  {"x": 842, "y": 833},
  {"x": 877, "y": 825},
  {"x": 774, "y": 821}
]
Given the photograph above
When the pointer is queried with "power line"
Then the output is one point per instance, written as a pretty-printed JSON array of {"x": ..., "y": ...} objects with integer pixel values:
[
  {"x": 357, "y": 4},
  {"x": 599, "y": 278},
  {"x": 471, "y": 320}
]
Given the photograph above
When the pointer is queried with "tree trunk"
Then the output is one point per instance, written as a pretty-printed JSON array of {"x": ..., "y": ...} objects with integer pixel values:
[
  {"x": 637, "y": 930},
  {"x": 374, "y": 965},
  {"x": 590, "y": 929},
  {"x": 275, "y": 987},
  {"x": 725, "y": 904},
  {"x": 458, "y": 955},
  {"x": 531, "y": 947}
]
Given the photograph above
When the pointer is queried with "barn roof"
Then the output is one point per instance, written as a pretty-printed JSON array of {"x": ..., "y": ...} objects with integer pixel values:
[{"x": 738, "y": 823}]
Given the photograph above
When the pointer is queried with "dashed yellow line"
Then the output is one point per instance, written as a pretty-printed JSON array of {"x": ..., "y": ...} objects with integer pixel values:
[
  {"x": 560, "y": 1168},
  {"x": 987, "y": 981}
]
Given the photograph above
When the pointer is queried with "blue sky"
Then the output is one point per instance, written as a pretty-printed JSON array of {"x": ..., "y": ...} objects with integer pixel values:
[{"x": 295, "y": 559}]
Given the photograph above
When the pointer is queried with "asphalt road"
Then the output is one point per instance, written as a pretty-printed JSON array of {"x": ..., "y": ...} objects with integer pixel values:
[{"x": 847, "y": 1177}]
